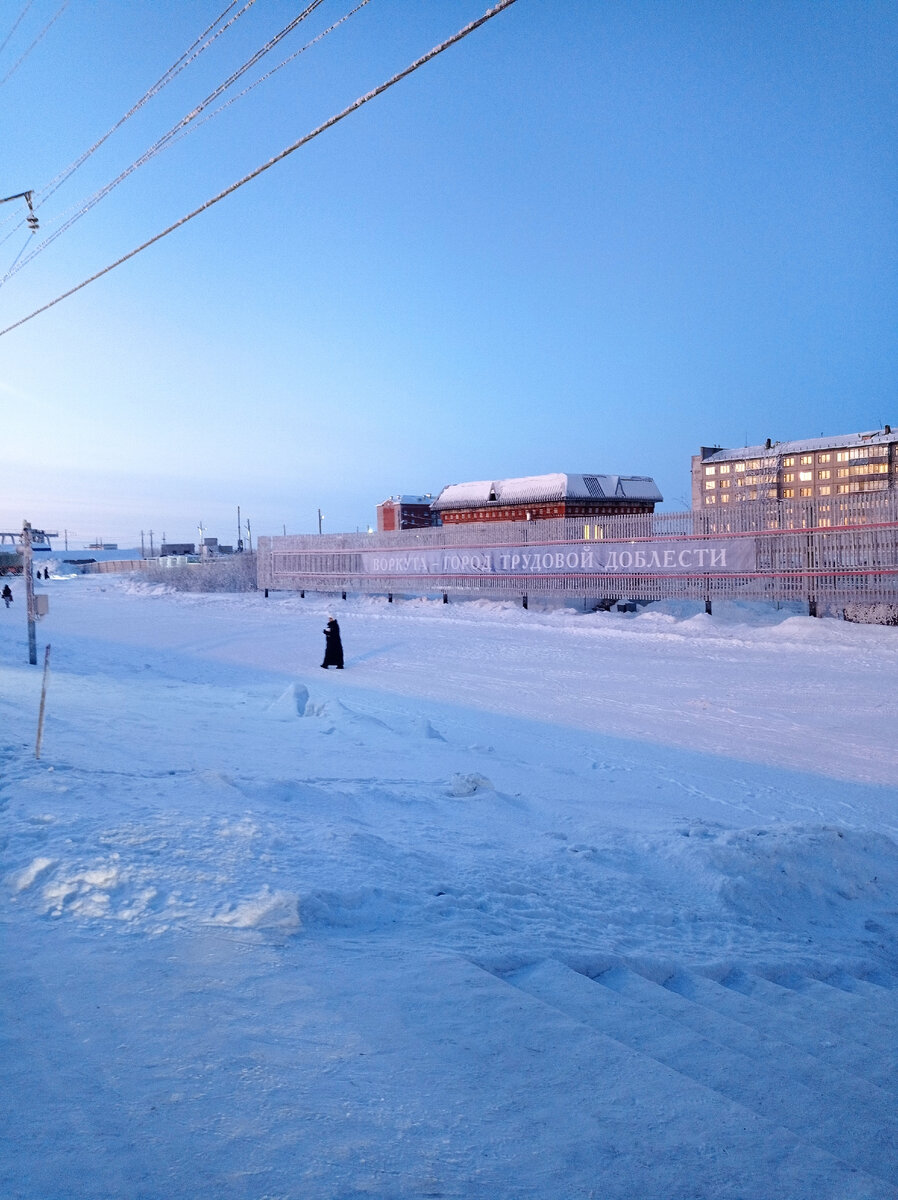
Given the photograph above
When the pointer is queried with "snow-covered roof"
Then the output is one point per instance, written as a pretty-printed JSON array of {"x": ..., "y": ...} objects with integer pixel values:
[
  {"x": 402, "y": 499},
  {"x": 541, "y": 489},
  {"x": 879, "y": 437}
]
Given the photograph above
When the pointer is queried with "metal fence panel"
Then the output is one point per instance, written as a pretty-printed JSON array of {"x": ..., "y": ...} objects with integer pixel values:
[{"x": 845, "y": 550}]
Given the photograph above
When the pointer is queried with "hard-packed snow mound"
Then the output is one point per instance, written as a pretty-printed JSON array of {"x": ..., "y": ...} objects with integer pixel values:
[{"x": 802, "y": 876}]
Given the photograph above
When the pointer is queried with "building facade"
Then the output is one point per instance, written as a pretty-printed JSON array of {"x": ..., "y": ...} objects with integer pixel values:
[
  {"x": 544, "y": 497},
  {"x": 817, "y": 469},
  {"x": 405, "y": 512}
]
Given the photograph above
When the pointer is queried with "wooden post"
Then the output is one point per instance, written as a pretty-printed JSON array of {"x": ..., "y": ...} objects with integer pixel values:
[{"x": 40, "y": 716}]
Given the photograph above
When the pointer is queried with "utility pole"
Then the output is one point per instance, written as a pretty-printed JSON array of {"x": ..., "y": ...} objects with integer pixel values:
[
  {"x": 249, "y": 537},
  {"x": 201, "y": 548},
  {"x": 143, "y": 552},
  {"x": 320, "y": 518},
  {"x": 29, "y": 592},
  {"x": 239, "y": 532},
  {"x": 66, "y": 534},
  {"x": 26, "y": 196},
  {"x": 152, "y": 555}
]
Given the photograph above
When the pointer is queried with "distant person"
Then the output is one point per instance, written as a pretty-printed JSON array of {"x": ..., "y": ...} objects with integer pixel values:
[
  {"x": 7, "y": 597},
  {"x": 333, "y": 647},
  {"x": 46, "y": 572}
]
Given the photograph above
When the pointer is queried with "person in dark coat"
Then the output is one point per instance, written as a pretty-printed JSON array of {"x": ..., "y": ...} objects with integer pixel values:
[
  {"x": 333, "y": 647},
  {"x": 6, "y": 594}
]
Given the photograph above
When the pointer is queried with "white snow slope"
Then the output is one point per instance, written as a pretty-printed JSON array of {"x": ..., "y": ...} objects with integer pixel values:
[{"x": 521, "y": 904}]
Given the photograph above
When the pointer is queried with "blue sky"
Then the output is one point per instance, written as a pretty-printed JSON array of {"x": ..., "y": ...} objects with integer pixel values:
[{"x": 591, "y": 237}]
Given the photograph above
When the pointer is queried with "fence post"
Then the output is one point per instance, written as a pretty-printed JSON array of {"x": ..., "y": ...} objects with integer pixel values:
[{"x": 40, "y": 717}]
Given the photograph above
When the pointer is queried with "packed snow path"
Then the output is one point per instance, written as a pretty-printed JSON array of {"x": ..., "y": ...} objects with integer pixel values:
[{"x": 531, "y": 904}]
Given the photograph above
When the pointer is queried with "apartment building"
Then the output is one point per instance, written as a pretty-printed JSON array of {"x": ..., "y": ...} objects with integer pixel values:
[{"x": 818, "y": 469}]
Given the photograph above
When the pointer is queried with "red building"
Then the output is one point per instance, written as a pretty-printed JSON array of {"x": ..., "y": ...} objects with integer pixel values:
[
  {"x": 405, "y": 512},
  {"x": 542, "y": 497}
]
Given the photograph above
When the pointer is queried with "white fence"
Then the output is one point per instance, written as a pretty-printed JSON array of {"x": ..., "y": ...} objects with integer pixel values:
[{"x": 843, "y": 551}]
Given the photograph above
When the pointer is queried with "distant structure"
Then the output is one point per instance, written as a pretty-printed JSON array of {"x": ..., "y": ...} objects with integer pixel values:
[
  {"x": 175, "y": 548},
  {"x": 405, "y": 512},
  {"x": 542, "y": 497},
  {"x": 815, "y": 469}
]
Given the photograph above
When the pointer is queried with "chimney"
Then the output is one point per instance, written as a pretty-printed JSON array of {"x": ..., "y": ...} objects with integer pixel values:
[
  {"x": 887, "y": 429},
  {"x": 768, "y": 444}
]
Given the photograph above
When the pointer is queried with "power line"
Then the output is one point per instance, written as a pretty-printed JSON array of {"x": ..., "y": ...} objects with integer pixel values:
[
  {"x": 304, "y": 140},
  {"x": 164, "y": 140},
  {"x": 268, "y": 74},
  {"x": 18, "y": 22},
  {"x": 46, "y": 28},
  {"x": 178, "y": 133},
  {"x": 193, "y": 51}
]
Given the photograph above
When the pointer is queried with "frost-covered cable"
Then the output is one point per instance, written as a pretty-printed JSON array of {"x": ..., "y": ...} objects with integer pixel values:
[
  {"x": 164, "y": 140},
  {"x": 304, "y": 140},
  {"x": 40, "y": 36},
  {"x": 268, "y": 74},
  {"x": 193, "y": 51},
  {"x": 17, "y": 23}
]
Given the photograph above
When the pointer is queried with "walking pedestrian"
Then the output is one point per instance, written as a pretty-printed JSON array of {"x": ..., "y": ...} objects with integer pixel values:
[
  {"x": 333, "y": 647},
  {"x": 6, "y": 594}
]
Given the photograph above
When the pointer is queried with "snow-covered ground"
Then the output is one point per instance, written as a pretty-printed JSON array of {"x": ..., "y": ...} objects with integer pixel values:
[{"x": 538, "y": 904}]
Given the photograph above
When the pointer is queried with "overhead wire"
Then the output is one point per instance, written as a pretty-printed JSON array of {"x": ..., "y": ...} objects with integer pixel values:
[
  {"x": 193, "y": 51},
  {"x": 40, "y": 36},
  {"x": 268, "y": 74},
  {"x": 167, "y": 137},
  {"x": 16, "y": 24},
  {"x": 298, "y": 144},
  {"x": 19, "y": 255}
]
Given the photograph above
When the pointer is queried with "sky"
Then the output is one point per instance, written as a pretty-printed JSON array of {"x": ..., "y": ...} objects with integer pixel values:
[{"x": 591, "y": 237}]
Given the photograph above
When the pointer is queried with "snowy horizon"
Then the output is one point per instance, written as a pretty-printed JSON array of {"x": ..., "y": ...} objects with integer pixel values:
[{"x": 521, "y": 904}]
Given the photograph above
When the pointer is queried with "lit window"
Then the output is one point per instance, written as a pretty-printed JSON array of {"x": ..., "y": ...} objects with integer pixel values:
[
  {"x": 710, "y": 485},
  {"x": 771, "y": 493},
  {"x": 789, "y": 477},
  {"x": 805, "y": 491},
  {"x": 738, "y": 466},
  {"x": 725, "y": 469},
  {"x": 725, "y": 498},
  {"x": 842, "y": 472},
  {"x": 843, "y": 488},
  {"x": 805, "y": 476},
  {"x": 789, "y": 462},
  {"x": 710, "y": 470},
  {"x": 788, "y": 493},
  {"x": 710, "y": 499},
  {"x": 824, "y": 522},
  {"x": 724, "y": 483},
  {"x": 824, "y": 474},
  {"x": 825, "y": 490},
  {"x": 824, "y": 458},
  {"x": 754, "y": 464},
  {"x": 806, "y": 459}
]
